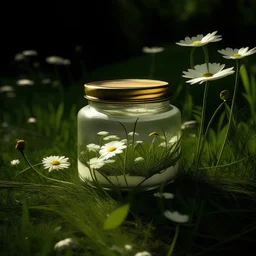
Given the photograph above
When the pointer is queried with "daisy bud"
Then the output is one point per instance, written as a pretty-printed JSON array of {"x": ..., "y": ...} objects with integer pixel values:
[
  {"x": 224, "y": 95},
  {"x": 20, "y": 145},
  {"x": 153, "y": 133}
]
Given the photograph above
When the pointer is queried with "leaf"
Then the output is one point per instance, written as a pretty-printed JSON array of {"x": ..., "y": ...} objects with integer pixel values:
[
  {"x": 116, "y": 218},
  {"x": 245, "y": 79}
]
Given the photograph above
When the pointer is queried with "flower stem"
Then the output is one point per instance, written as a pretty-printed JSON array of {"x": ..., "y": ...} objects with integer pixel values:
[
  {"x": 209, "y": 124},
  {"x": 191, "y": 58},
  {"x": 60, "y": 181},
  {"x": 231, "y": 111},
  {"x": 174, "y": 240},
  {"x": 206, "y": 56},
  {"x": 206, "y": 87}
]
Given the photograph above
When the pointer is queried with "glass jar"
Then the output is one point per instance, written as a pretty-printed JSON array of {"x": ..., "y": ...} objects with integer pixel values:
[{"x": 128, "y": 134}]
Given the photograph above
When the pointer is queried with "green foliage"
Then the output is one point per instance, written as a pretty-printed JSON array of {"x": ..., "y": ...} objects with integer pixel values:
[{"x": 116, "y": 218}]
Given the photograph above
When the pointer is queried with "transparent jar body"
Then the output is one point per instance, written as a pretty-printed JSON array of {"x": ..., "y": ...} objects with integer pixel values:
[{"x": 129, "y": 145}]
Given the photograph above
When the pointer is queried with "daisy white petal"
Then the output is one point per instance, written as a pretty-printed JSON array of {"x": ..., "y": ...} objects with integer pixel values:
[
  {"x": 230, "y": 53},
  {"x": 111, "y": 149},
  {"x": 138, "y": 159},
  {"x": 200, "y": 40},
  {"x": 144, "y": 253},
  {"x": 164, "y": 195},
  {"x": 103, "y": 133},
  {"x": 176, "y": 216},
  {"x": 93, "y": 147},
  {"x": 31, "y": 120},
  {"x": 152, "y": 50},
  {"x": 111, "y": 137},
  {"x": 66, "y": 243},
  {"x": 15, "y": 162},
  {"x": 55, "y": 163},
  {"x": 6, "y": 88},
  {"x": 201, "y": 73},
  {"x": 96, "y": 163},
  {"x": 30, "y": 53},
  {"x": 19, "y": 57},
  {"x": 25, "y": 82}
]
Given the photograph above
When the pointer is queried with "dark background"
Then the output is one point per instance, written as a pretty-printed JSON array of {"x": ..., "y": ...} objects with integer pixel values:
[{"x": 110, "y": 31}]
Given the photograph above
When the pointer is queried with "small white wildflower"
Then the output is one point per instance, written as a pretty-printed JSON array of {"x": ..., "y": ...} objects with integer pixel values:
[
  {"x": 201, "y": 74},
  {"x": 138, "y": 159},
  {"x": 111, "y": 149},
  {"x": 46, "y": 81},
  {"x": 97, "y": 163},
  {"x": 124, "y": 141},
  {"x": 138, "y": 142},
  {"x": 55, "y": 162},
  {"x": 132, "y": 133},
  {"x": 173, "y": 140},
  {"x": 15, "y": 162},
  {"x": 176, "y": 216},
  {"x": 189, "y": 124},
  {"x": 93, "y": 147},
  {"x": 103, "y": 133},
  {"x": 19, "y": 57},
  {"x": 68, "y": 242},
  {"x": 31, "y": 120},
  {"x": 6, "y": 88},
  {"x": 111, "y": 137},
  {"x": 56, "y": 60},
  {"x": 30, "y": 53},
  {"x": 25, "y": 82},
  {"x": 200, "y": 40},
  {"x": 230, "y": 53},
  {"x": 144, "y": 253},
  {"x": 128, "y": 247},
  {"x": 165, "y": 195},
  {"x": 152, "y": 50}
]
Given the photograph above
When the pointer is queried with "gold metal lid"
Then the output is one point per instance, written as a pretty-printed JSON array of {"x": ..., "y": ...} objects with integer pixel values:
[{"x": 127, "y": 91}]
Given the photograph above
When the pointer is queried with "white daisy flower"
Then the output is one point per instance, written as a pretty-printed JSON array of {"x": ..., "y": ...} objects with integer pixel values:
[
  {"x": 144, "y": 253},
  {"x": 201, "y": 74},
  {"x": 19, "y": 57},
  {"x": 124, "y": 141},
  {"x": 128, "y": 247},
  {"x": 30, "y": 53},
  {"x": 230, "y": 53},
  {"x": 32, "y": 120},
  {"x": 111, "y": 137},
  {"x": 138, "y": 142},
  {"x": 152, "y": 50},
  {"x": 176, "y": 216},
  {"x": 138, "y": 159},
  {"x": 6, "y": 88},
  {"x": 103, "y": 133},
  {"x": 56, "y": 60},
  {"x": 189, "y": 124},
  {"x": 165, "y": 195},
  {"x": 111, "y": 149},
  {"x": 15, "y": 162},
  {"x": 25, "y": 82},
  {"x": 66, "y": 243},
  {"x": 93, "y": 147},
  {"x": 97, "y": 163},
  {"x": 132, "y": 133},
  {"x": 55, "y": 162},
  {"x": 200, "y": 40}
]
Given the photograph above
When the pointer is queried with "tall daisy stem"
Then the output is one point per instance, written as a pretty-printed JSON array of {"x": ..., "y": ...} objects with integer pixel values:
[
  {"x": 206, "y": 87},
  {"x": 231, "y": 111},
  {"x": 177, "y": 229}
]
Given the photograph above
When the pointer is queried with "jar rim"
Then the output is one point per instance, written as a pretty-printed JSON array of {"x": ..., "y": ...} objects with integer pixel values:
[{"x": 127, "y": 91}]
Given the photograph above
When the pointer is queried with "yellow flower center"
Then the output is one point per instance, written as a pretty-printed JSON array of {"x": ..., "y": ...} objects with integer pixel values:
[
  {"x": 236, "y": 55},
  {"x": 208, "y": 75},
  {"x": 197, "y": 42},
  {"x": 55, "y": 162},
  {"x": 111, "y": 149}
]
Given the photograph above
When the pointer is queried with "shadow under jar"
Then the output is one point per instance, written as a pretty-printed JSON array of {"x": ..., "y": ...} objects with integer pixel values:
[{"x": 128, "y": 134}]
